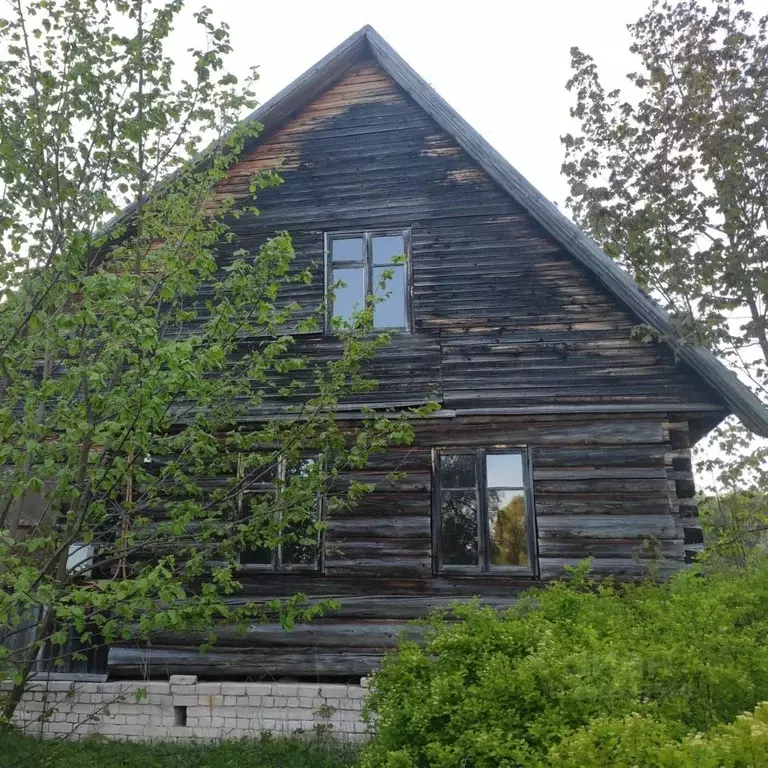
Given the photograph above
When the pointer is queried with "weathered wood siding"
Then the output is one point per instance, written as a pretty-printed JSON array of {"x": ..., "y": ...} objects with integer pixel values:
[
  {"x": 502, "y": 315},
  {"x": 602, "y": 489},
  {"x": 504, "y": 319}
]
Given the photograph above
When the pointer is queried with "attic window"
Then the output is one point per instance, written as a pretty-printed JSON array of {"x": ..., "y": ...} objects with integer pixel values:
[{"x": 363, "y": 264}]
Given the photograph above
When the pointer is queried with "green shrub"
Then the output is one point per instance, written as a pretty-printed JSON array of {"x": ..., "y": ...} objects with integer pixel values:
[
  {"x": 17, "y": 751},
  {"x": 641, "y": 741},
  {"x": 493, "y": 690}
]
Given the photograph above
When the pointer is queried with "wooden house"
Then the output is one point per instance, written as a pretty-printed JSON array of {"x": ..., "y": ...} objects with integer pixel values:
[{"x": 559, "y": 436}]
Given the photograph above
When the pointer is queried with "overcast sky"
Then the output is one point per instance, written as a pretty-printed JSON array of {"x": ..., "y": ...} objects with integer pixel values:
[{"x": 502, "y": 64}]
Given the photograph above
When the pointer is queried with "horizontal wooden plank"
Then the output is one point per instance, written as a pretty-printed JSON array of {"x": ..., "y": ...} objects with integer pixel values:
[
  {"x": 623, "y": 568},
  {"x": 240, "y": 663},
  {"x": 406, "y": 527},
  {"x": 378, "y": 635},
  {"x": 605, "y": 526}
]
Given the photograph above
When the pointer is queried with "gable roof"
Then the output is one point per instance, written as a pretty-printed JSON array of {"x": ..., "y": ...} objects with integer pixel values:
[{"x": 739, "y": 399}]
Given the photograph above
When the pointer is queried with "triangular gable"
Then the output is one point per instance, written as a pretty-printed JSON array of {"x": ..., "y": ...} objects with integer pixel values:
[{"x": 366, "y": 43}]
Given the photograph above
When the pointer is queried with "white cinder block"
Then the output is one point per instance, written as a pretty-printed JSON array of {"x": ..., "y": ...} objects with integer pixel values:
[
  {"x": 183, "y": 679},
  {"x": 282, "y": 689},
  {"x": 184, "y": 701},
  {"x": 211, "y": 689},
  {"x": 258, "y": 689},
  {"x": 214, "y": 710},
  {"x": 233, "y": 689}
]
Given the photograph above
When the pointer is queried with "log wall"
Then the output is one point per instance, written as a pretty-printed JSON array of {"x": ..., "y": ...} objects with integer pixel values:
[
  {"x": 602, "y": 487},
  {"x": 515, "y": 340}
]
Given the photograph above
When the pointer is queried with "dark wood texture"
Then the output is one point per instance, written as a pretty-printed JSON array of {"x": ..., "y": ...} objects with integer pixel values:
[
  {"x": 601, "y": 490},
  {"x": 516, "y": 338}
]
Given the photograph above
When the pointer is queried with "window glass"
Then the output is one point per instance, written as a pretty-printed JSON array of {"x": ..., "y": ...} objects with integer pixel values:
[
  {"x": 505, "y": 470},
  {"x": 256, "y": 504},
  {"x": 347, "y": 249},
  {"x": 362, "y": 262},
  {"x": 349, "y": 297},
  {"x": 264, "y": 490},
  {"x": 506, "y": 518},
  {"x": 457, "y": 470},
  {"x": 299, "y": 545},
  {"x": 458, "y": 543},
  {"x": 390, "y": 312},
  {"x": 299, "y": 540},
  {"x": 483, "y": 520},
  {"x": 386, "y": 247}
]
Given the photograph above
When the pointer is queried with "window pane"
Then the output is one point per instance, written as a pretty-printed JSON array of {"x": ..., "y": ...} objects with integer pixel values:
[
  {"x": 347, "y": 249},
  {"x": 458, "y": 535},
  {"x": 385, "y": 247},
  {"x": 299, "y": 538},
  {"x": 457, "y": 470},
  {"x": 258, "y": 476},
  {"x": 390, "y": 313},
  {"x": 302, "y": 468},
  {"x": 505, "y": 470},
  {"x": 350, "y": 297},
  {"x": 257, "y": 556},
  {"x": 506, "y": 518},
  {"x": 257, "y": 510},
  {"x": 299, "y": 545}
]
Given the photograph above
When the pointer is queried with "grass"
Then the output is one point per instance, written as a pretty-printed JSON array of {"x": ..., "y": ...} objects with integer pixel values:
[{"x": 18, "y": 751}]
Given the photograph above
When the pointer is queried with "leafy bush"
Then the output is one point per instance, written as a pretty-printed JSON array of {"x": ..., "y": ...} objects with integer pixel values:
[
  {"x": 641, "y": 741},
  {"x": 17, "y": 751},
  {"x": 493, "y": 690}
]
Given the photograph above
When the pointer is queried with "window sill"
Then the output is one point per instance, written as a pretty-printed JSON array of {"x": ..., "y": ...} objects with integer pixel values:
[
  {"x": 499, "y": 572},
  {"x": 270, "y": 569}
]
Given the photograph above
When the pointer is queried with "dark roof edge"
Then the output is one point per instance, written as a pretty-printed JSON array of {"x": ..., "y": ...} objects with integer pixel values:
[{"x": 738, "y": 397}]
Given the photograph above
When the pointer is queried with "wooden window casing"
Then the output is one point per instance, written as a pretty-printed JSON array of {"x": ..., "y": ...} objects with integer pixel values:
[
  {"x": 368, "y": 265},
  {"x": 480, "y": 489},
  {"x": 277, "y": 562}
]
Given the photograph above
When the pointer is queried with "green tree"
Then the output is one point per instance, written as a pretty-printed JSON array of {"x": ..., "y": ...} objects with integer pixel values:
[
  {"x": 669, "y": 177},
  {"x": 736, "y": 526},
  {"x": 136, "y": 357}
]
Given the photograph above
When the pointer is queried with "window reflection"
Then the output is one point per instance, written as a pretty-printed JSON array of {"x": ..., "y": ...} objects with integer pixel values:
[
  {"x": 390, "y": 311},
  {"x": 386, "y": 248},
  {"x": 483, "y": 501},
  {"x": 347, "y": 249},
  {"x": 457, "y": 470},
  {"x": 505, "y": 470},
  {"x": 508, "y": 538},
  {"x": 459, "y": 528}
]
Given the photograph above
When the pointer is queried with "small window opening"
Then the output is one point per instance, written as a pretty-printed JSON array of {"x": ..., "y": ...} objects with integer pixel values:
[
  {"x": 180, "y": 716},
  {"x": 370, "y": 264},
  {"x": 261, "y": 493}
]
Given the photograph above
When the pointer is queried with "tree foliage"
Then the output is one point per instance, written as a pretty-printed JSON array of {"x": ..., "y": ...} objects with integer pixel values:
[
  {"x": 668, "y": 175},
  {"x": 136, "y": 355}
]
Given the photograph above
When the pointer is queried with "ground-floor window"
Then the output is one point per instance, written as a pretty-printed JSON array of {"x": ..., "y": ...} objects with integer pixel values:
[
  {"x": 267, "y": 492},
  {"x": 483, "y": 510}
]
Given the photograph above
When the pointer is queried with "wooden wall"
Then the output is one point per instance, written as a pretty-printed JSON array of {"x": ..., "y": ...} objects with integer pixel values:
[
  {"x": 603, "y": 487},
  {"x": 502, "y": 314},
  {"x": 504, "y": 319}
]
